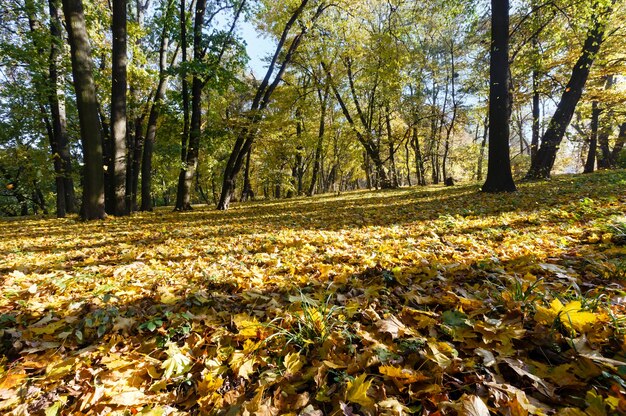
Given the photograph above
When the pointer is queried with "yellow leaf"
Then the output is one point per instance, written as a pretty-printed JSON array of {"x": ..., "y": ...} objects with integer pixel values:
[
  {"x": 357, "y": 391},
  {"x": 330, "y": 364},
  {"x": 177, "y": 362},
  {"x": 571, "y": 411},
  {"x": 404, "y": 375},
  {"x": 48, "y": 329},
  {"x": 133, "y": 397},
  {"x": 92, "y": 397},
  {"x": 55, "y": 371},
  {"x": 248, "y": 326},
  {"x": 437, "y": 355},
  {"x": 56, "y": 407},
  {"x": 294, "y": 362},
  {"x": 158, "y": 386},
  {"x": 12, "y": 380},
  {"x": 209, "y": 385},
  {"x": 569, "y": 315},
  {"x": 394, "y": 407},
  {"x": 246, "y": 369},
  {"x": 572, "y": 317}
]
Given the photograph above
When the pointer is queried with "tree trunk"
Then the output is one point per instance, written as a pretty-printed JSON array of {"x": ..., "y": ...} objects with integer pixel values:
[
  {"x": 407, "y": 161},
  {"x": 247, "y": 193},
  {"x": 297, "y": 170},
  {"x": 185, "y": 97},
  {"x": 590, "y": 164},
  {"x": 261, "y": 99},
  {"x": 546, "y": 155},
  {"x": 60, "y": 149},
  {"x": 153, "y": 118},
  {"x": 392, "y": 156},
  {"x": 320, "y": 137},
  {"x": 439, "y": 133},
  {"x": 86, "y": 102},
  {"x": 419, "y": 161},
  {"x": 136, "y": 161},
  {"x": 604, "y": 132},
  {"x": 499, "y": 176},
  {"x": 450, "y": 128},
  {"x": 371, "y": 147},
  {"x": 118, "y": 107},
  {"x": 432, "y": 145},
  {"x": 183, "y": 198},
  {"x": 368, "y": 170},
  {"x": 534, "y": 142},
  {"x": 39, "y": 202},
  {"x": 481, "y": 154}
]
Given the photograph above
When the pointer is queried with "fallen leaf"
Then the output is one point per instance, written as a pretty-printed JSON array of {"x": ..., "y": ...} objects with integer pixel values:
[
  {"x": 294, "y": 362},
  {"x": 177, "y": 362},
  {"x": 356, "y": 391},
  {"x": 472, "y": 405}
]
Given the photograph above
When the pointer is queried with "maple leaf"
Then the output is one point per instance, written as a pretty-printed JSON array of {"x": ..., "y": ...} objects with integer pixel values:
[
  {"x": 356, "y": 391},
  {"x": 294, "y": 362},
  {"x": 571, "y": 315},
  {"x": 392, "y": 406},
  {"x": 177, "y": 363}
]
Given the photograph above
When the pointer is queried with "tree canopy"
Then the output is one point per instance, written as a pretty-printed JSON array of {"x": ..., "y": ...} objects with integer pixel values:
[{"x": 375, "y": 94}]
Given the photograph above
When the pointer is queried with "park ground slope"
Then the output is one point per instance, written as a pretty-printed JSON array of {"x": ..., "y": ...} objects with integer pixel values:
[{"x": 433, "y": 301}]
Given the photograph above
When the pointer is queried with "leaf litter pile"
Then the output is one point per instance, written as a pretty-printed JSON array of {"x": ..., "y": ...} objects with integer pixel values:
[{"x": 432, "y": 301}]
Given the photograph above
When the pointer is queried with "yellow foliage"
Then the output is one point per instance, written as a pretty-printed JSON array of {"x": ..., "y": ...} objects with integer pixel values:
[
  {"x": 364, "y": 303},
  {"x": 356, "y": 391},
  {"x": 570, "y": 315}
]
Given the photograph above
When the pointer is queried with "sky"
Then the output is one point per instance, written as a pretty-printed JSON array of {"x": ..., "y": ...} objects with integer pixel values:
[{"x": 258, "y": 48}]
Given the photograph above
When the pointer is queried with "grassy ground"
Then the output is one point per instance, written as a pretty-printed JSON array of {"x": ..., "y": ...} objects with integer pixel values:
[{"x": 423, "y": 300}]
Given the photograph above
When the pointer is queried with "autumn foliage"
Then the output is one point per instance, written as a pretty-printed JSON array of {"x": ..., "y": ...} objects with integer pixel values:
[{"x": 434, "y": 301}]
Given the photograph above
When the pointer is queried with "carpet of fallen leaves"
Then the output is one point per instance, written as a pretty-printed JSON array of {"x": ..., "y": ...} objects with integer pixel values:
[{"x": 432, "y": 301}]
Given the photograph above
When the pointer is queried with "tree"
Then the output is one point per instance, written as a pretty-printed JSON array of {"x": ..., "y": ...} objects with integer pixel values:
[
  {"x": 155, "y": 109},
  {"x": 56, "y": 100},
  {"x": 247, "y": 134},
  {"x": 543, "y": 163},
  {"x": 86, "y": 102},
  {"x": 323, "y": 94},
  {"x": 118, "y": 109},
  {"x": 184, "y": 186},
  {"x": 499, "y": 176},
  {"x": 590, "y": 164},
  {"x": 183, "y": 195}
]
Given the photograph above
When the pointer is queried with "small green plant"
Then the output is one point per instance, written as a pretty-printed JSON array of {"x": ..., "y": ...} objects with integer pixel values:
[
  {"x": 7, "y": 319},
  {"x": 523, "y": 293},
  {"x": 619, "y": 323},
  {"x": 152, "y": 324},
  {"x": 175, "y": 327},
  {"x": 386, "y": 356},
  {"x": 411, "y": 345},
  {"x": 101, "y": 320},
  {"x": 310, "y": 326}
]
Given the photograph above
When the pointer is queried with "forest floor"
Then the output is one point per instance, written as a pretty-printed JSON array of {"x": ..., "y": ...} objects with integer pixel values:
[{"x": 433, "y": 301}]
